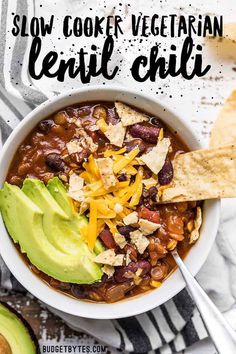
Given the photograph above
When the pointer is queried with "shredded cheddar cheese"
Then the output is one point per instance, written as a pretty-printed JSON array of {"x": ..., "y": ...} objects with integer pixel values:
[
  {"x": 92, "y": 226},
  {"x": 125, "y": 160},
  {"x": 102, "y": 125},
  {"x": 107, "y": 200},
  {"x": 109, "y": 153}
]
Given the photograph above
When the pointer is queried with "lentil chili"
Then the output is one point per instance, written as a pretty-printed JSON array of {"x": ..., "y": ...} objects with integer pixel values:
[{"x": 43, "y": 154}]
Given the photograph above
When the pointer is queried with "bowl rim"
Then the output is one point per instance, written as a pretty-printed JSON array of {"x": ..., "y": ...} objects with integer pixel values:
[{"x": 129, "y": 306}]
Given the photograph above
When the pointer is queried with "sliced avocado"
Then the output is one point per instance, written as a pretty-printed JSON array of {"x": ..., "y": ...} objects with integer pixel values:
[
  {"x": 56, "y": 223},
  {"x": 59, "y": 193},
  {"x": 24, "y": 222},
  {"x": 15, "y": 336}
]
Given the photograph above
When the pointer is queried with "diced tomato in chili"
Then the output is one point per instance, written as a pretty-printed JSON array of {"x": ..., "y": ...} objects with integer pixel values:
[
  {"x": 150, "y": 215},
  {"x": 107, "y": 238},
  {"x": 175, "y": 224}
]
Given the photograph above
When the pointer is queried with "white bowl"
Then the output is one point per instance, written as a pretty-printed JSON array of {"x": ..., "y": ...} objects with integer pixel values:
[{"x": 134, "y": 305}]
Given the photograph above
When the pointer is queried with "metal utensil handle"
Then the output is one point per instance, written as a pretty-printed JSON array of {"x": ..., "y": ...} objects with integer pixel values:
[{"x": 222, "y": 335}]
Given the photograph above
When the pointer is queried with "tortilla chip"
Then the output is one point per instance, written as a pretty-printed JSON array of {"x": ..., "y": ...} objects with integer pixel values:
[
  {"x": 109, "y": 257},
  {"x": 76, "y": 184},
  {"x": 224, "y": 129},
  {"x": 128, "y": 115},
  {"x": 203, "y": 174},
  {"x": 105, "y": 166},
  {"x": 115, "y": 134},
  {"x": 230, "y": 31},
  {"x": 156, "y": 157},
  {"x": 74, "y": 147},
  {"x": 194, "y": 236}
]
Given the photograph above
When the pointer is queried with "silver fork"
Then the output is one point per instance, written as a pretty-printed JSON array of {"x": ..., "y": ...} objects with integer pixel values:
[{"x": 221, "y": 333}]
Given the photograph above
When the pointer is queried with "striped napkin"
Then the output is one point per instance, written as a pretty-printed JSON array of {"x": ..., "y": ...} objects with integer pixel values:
[
  {"x": 170, "y": 327},
  {"x": 176, "y": 324}
]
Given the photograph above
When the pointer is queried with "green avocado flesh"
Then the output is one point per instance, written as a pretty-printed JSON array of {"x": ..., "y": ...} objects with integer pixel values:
[
  {"x": 47, "y": 230},
  {"x": 58, "y": 191},
  {"x": 15, "y": 337}
]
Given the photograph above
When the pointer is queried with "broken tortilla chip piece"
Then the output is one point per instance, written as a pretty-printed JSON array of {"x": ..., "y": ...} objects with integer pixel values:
[
  {"x": 105, "y": 166},
  {"x": 76, "y": 184},
  {"x": 224, "y": 128},
  {"x": 156, "y": 157},
  {"x": 203, "y": 174},
  {"x": 115, "y": 134},
  {"x": 128, "y": 115},
  {"x": 230, "y": 31},
  {"x": 194, "y": 235}
]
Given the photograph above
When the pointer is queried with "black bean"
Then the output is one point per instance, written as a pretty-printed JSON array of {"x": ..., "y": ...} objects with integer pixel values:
[
  {"x": 145, "y": 193},
  {"x": 45, "y": 125},
  {"x": 55, "y": 162},
  {"x": 125, "y": 230},
  {"x": 145, "y": 131},
  {"x": 122, "y": 177},
  {"x": 156, "y": 121},
  {"x": 141, "y": 201},
  {"x": 153, "y": 193},
  {"x": 77, "y": 291},
  {"x": 132, "y": 144},
  {"x": 166, "y": 174},
  {"x": 147, "y": 173}
]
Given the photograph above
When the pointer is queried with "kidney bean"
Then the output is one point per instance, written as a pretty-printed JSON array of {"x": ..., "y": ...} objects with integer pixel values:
[
  {"x": 132, "y": 144},
  {"x": 125, "y": 230},
  {"x": 45, "y": 125},
  {"x": 107, "y": 238},
  {"x": 165, "y": 175},
  {"x": 147, "y": 132},
  {"x": 55, "y": 162},
  {"x": 120, "y": 274}
]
